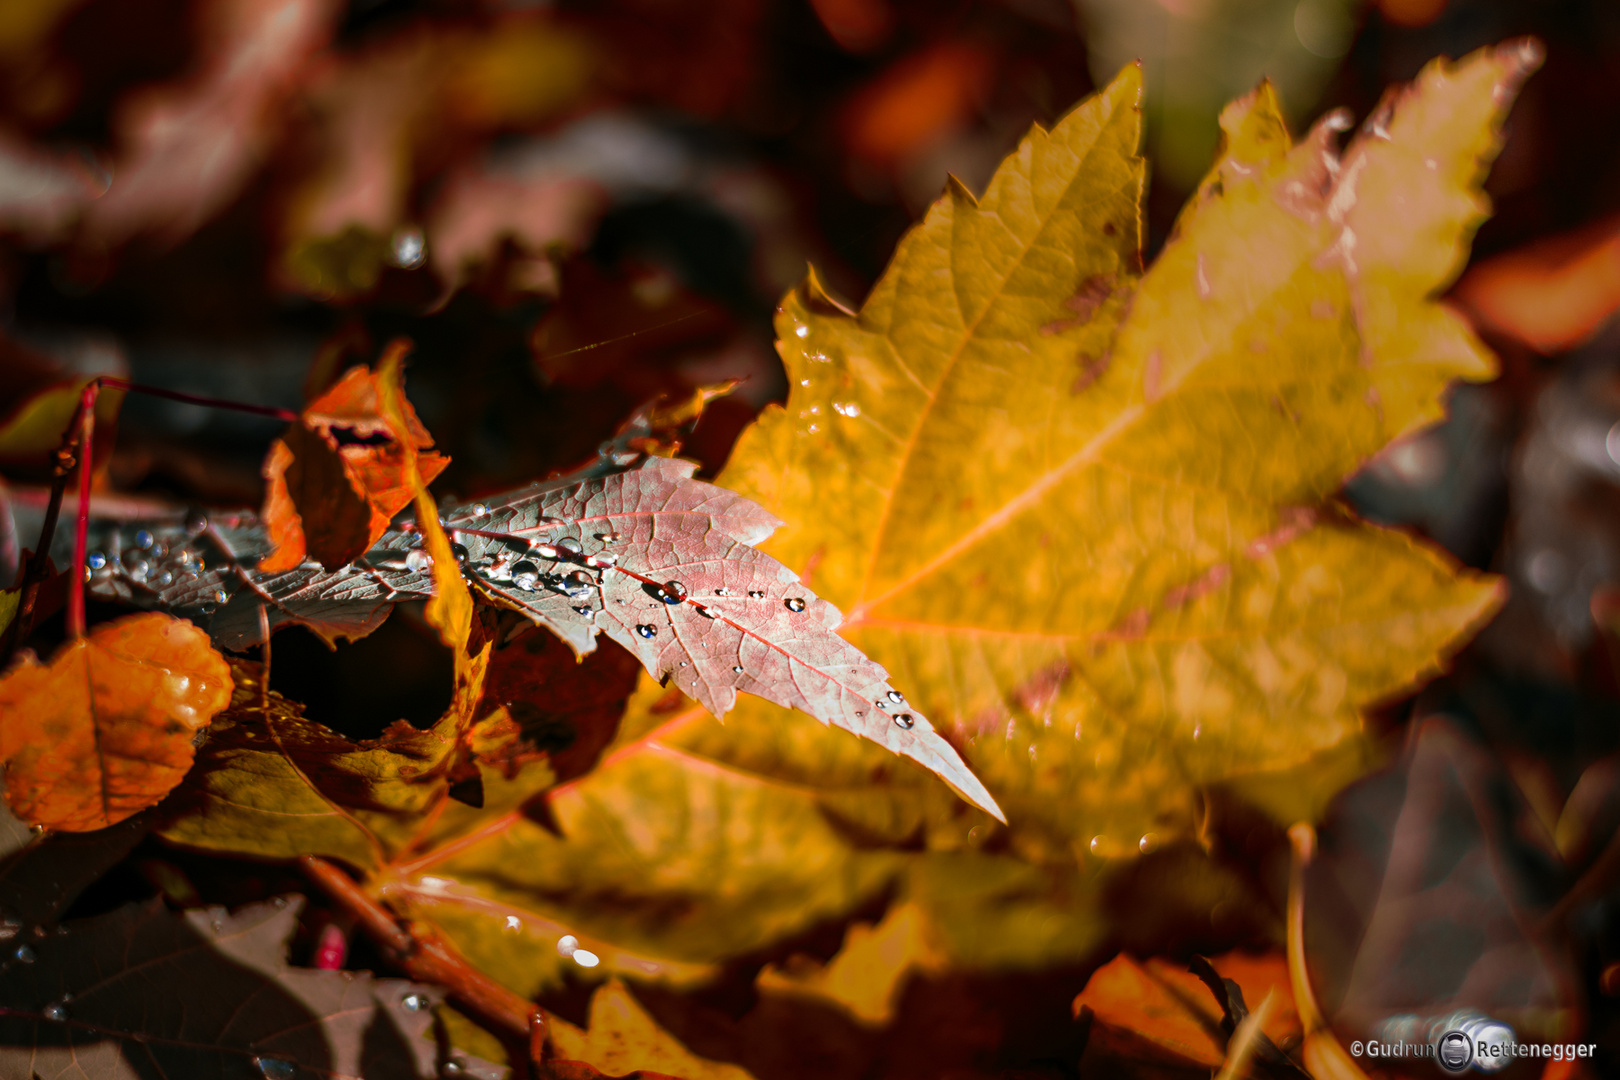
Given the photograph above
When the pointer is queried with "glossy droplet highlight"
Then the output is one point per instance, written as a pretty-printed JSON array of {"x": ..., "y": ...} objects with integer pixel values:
[
  {"x": 25, "y": 954},
  {"x": 578, "y": 583},
  {"x": 1148, "y": 843},
  {"x": 722, "y": 592},
  {"x": 418, "y": 561},
  {"x": 526, "y": 575},
  {"x": 56, "y": 1011},
  {"x": 570, "y": 545},
  {"x": 756, "y": 594},
  {"x": 609, "y": 537},
  {"x": 586, "y": 958},
  {"x": 95, "y": 560},
  {"x": 478, "y": 511},
  {"x": 673, "y": 592},
  {"x": 794, "y": 604},
  {"x": 415, "y": 1002},
  {"x": 513, "y": 923},
  {"x": 196, "y": 521},
  {"x": 221, "y": 596},
  {"x": 905, "y": 720},
  {"x": 705, "y": 612},
  {"x": 275, "y": 1068},
  {"x": 566, "y": 945},
  {"x": 737, "y": 668},
  {"x": 143, "y": 539},
  {"x": 897, "y": 697},
  {"x": 647, "y": 631}
]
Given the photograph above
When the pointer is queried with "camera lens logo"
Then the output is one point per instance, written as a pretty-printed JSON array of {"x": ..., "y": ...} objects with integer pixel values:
[{"x": 1455, "y": 1051}]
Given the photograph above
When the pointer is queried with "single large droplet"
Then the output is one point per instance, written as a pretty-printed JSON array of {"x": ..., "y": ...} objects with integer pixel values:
[
  {"x": 95, "y": 560},
  {"x": 56, "y": 1011},
  {"x": 897, "y": 697},
  {"x": 526, "y": 575},
  {"x": 460, "y": 552},
  {"x": 416, "y": 1002},
  {"x": 418, "y": 561},
  {"x": 25, "y": 954},
  {"x": 584, "y": 609},
  {"x": 221, "y": 596},
  {"x": 586, "y": 958},
  {"x": 794, "y": 604},
  {"x": 705, "y": 612},
  {"x": 196, "y": 521},
  {"x": 478, "y": 511},
  {"x": 578, "y": 583},
  {"x": 673, "y": 592},
  {"x": 566, "y": 945},
  {"x": 737, "y": 668},
  {"x": 647, "y": 631},
  {"x": 570, "y": 545},
  {"x": 143, "y": 539},
  {"x": 138, "y": 569},
  {"x": 275, "y": 1068},
  {"x": 905, "y": 720}
]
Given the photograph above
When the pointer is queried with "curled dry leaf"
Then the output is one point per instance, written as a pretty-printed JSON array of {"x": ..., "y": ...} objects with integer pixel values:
[
  {"x": 107, "y": 728},
  {"x": 337, "y": 478}
]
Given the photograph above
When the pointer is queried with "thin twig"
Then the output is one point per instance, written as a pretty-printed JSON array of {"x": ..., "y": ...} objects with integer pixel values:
[
  {"x": 427, "y": 956},
  {"x": 38, "y": 569},
  {"x": 271, "y": 411}
]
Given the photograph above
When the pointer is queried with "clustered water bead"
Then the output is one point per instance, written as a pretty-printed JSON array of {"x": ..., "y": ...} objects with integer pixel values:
[
  {"x": 647, "y": 631},
  {"x": 672, "y": 592}
]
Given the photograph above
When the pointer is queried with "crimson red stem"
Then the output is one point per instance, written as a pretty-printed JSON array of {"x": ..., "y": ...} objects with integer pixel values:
[
  {"x": 197, "y": 399},
  {"x": 81, "y": 522}
]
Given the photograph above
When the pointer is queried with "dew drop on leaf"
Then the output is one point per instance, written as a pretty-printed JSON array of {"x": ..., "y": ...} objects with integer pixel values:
[
  {"x": 526, "y": 575},
  {"x": 609, "y": 537},
  {"x": 647, "y": 631},
  {"x": 95, "y": 560},
  {"x": 1149, "y": 842},
  {"x": 196, "y": 522},
  {"x": 415, "y": 1002},
  {"x": 418, "y": 561},
  {"x": 737, "y": 668},
  {"x": 904, "y": 720},
  {"x": 275, "y": 1068},
  {"x": 25, "y": 954},
  {"x": 570, "y": 545},
  {"x": 221, "y": 596},
  {"x": 897, "y": 697},
  {"x": 673, "y": 592},
  {"x": 56, "y": 1011},
  {"x": 586, "y": 958},
  {"x": 478, "y": 511},
  {"x": 756, "y": 594},
  {"x": 143, "y": 539},
  {"x": 567, "y": 944},
  {"x": 722, "y": 592},
  {"x": 794, "y": 604},
  {"x": 578, "y": 583}
]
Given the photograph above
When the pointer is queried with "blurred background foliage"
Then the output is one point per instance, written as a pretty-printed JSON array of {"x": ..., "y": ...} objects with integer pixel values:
[{"x": 575, "y": 207}]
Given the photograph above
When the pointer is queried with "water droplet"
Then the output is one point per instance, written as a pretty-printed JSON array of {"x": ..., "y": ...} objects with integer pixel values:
[
  {"x": 905, "y": 720},
  {"x": 603, "y": 558},
  {"x": 722, "y": 592},
  {"x": 673, "y": 592},
  {"x": 409, "y": 248},
  {"x": 526, "y": 575},
  {"x": 1149, "y": 842},
  {"x": 586, "y": 958},
  {"x": 460, "y": 552},
  {"x": 95, "y": 560},
  {"x": 275, "y": 1068},
  {"x": 609, "y": 537},
  {"x": 221, "y": 596},
  {"x": 881, "y": 704},
  {"x": 566, "y": 945},
  {"x": 814, "y": 428},
  {"x": 897, "y": 697},
  {"x": 756, "y": 594},
  {"x": 56, "y": 1011},
  {"x": 737, "y": 668},
  {"x": 25, "y": 954},
  {"x": 794, "y": 604},
  {"x": 859, "y": 714},
  {"x": 705, "y": 612},
  {"x": 846, "y": 409},
  {"x": 415, "y": 1002},
  {"x": 545, "y": 551},
  {"x": 647, "y": 631},
  {"x": 196, "y": 521},
  {"x": 514, "y": 923},
  {"x": 584, "y": 609},
  {"x": 143, "y": 539},
  {"x": 1096, "y": 844},
  {"x": 478, "y": 511},
  {"x": 802, "y": 330},
  {"x": 548, "y": 520},
  {"x": 418, "y": 561},
  {"x": 166, "y": 577},
  {"x": 683, "y": 663},
  {"x": 570, "y": 545},
  {"x": 452, "y": 1068},
  {"x": 578, "y": 583}
]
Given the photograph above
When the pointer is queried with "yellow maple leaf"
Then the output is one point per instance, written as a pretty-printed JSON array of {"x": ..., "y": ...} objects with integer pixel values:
[
  {"x": 622, "y": 1038},
  {"x": 1086, "y": 512}
]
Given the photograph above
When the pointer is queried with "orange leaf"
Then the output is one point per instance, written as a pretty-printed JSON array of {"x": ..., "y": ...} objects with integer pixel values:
[
  {"x": 335, "y": 481},
  {"x": 105, "y": 729}
]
